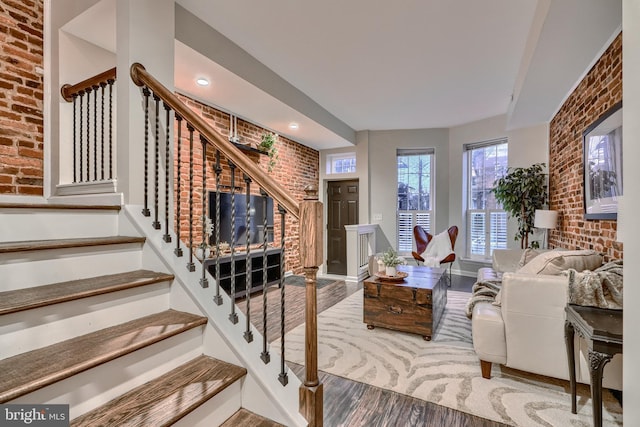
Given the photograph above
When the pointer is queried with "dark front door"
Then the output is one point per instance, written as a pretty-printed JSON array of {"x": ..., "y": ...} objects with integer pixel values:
[{"x": 342, "y": 210}]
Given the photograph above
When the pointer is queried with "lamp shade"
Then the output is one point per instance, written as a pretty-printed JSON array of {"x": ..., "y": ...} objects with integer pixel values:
[{"x": 545, "y": 219}]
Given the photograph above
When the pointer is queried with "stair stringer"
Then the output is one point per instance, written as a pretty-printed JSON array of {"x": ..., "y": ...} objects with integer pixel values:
[{"x": 223, "y": 339}]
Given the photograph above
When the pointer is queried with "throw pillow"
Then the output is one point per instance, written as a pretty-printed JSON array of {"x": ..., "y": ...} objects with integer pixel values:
[
  {"x": 555, "y": 262},
  {"x": 527, "y": 256}
]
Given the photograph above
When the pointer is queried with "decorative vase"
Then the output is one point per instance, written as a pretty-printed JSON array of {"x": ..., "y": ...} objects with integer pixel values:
[
  {"x": 391, "y": 271},
  {"x": 199, "y": 253},
  {"x": 381, "y": 266}
]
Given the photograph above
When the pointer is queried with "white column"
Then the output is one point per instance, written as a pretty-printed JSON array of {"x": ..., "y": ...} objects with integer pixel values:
[
  {"x": 145, "y": 32},
  {"x": 631, "y": 150}
]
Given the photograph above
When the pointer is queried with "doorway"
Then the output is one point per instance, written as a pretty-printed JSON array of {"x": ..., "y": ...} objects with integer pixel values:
[{"x": 342, "y": 209}]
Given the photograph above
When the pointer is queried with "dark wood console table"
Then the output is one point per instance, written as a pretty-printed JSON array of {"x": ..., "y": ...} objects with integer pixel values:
[
  {"x": 255, "y": 269},
  {"x": 602, "y": 329}
]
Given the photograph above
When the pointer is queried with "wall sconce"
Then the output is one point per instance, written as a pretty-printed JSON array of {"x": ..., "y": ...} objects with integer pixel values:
[{"x": 547, "y": 220}]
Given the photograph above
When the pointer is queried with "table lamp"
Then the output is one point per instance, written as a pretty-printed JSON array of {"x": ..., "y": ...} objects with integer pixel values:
[{"x": 546, "y": 219}]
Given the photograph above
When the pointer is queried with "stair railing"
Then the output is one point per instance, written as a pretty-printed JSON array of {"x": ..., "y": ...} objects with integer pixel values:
[
  {"x": 307, "y": 212},
  {"x": 92, "y": 137}
]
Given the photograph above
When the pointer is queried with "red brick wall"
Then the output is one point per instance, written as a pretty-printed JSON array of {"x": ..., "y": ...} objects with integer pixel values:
[
  {"x": 21, "y": 97},
  {"x": 295, "y": 168},
  {"x": 596, "y": 93}
]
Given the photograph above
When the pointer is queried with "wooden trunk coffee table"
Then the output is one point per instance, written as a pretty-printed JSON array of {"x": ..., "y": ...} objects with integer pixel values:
[{"x": 414, "y": 304}]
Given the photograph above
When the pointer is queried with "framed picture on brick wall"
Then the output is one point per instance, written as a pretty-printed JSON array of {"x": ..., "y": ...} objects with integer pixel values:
[{"x": 602, "y": 147}]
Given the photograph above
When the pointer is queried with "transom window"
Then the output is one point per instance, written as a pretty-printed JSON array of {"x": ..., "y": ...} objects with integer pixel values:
[{"x": 341, "y": 163}]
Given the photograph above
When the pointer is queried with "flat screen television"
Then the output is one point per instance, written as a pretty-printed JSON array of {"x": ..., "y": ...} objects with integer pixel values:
[{"x": 256, "y": 222}]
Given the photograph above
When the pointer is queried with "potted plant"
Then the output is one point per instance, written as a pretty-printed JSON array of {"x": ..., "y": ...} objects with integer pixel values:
[
  {"x": 267, "y": 144},
  {"x": 391, "y": 260},
  {"x": 521, "y": 191}
]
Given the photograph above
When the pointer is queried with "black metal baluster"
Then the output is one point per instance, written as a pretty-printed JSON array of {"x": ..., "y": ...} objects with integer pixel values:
[
  {"x": 95, "y": 132},
  {"x": 102, "y": 86},
  {"x": 178, "y": 250},
  {"x": 265, "y": 356},
  {"x": 205, "y": 236},
  {"x": 167, "y": 157},
  {"x": 190, "y": 265},
  {"x": 217, "y": 298},
  {"x": 75, "y": 140},
  {"x": 156, "y": 181},
  {"x": 283, "y": 378},
  {"x": 146, "y": 93},
  {"x": 110, "y": 82},
  {"x": 88, "y": 135},
  {"x": 81, "y": 144},
  {"x": 248, "y": 335},
  {"x": 233, "y": 316}
]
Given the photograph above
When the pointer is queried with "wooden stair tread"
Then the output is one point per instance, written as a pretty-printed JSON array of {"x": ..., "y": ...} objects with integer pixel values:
[
  {"x": 244, "y": 418},
  {"x": 36, "y": 245},
  {"x": 40, "y": 296},
  {"x": 58, "y": 206},
  {"x": 30, "y": 371},
  {"x": 163, "y": 401}
]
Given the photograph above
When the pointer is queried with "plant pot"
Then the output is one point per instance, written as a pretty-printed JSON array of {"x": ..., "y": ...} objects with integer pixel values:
[
  {"x": 381, "y": 267},
  {"x": 391, "y": 271}
]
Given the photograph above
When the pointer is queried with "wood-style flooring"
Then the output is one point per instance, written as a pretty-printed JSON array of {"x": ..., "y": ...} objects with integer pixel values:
[{"x": 351, "y": 403}]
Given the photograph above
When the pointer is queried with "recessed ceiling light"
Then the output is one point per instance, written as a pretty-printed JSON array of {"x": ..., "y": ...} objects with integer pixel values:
[
  {"x": 202, "y": 82},
  {"x": 293, "y": 125}
]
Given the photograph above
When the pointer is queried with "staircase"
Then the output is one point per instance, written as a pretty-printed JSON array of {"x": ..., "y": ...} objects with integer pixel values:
[{"x": 89, "y": 318}]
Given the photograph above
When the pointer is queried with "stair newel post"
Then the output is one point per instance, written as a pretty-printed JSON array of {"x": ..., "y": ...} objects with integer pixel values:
[
  {"x": 266, "y": 358},
  {"x": 110, "y": 83},
  {"x": 205, "y": 235},
  {"x": 190, "y": 265},
  {"x": 311, "y": 257},
  {"x": 75, "y": 140},
  {"x": 156, "y": 181},
  {"x": 217, "y": 298},
  {"x": 178, "y": 250},
  {"x": 233, "y": 316},
  {"x": 145, "y": 92},
  {"x": 283, "y": 378},
  {"x": 167, "y": 174},
  {"x": 248, "y": 335}
]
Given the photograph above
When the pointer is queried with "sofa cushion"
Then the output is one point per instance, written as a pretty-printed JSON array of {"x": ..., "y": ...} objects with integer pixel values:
[
  {"x": 555, "y": 262},
  {"x": 527, "y": 256}
]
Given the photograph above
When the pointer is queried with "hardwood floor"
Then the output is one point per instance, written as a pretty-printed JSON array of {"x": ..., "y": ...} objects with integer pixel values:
[{"x": 350, "y": 403}]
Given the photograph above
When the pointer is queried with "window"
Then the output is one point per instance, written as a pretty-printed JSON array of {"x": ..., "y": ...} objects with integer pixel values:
[
  {"x": 415, "y": 194},
  {"x": 341, "y": 163},
  {"x": 486, "y": 221}
]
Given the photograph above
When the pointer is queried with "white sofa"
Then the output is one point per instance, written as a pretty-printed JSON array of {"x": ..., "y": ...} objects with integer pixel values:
[{"x": 526, "y": 330}]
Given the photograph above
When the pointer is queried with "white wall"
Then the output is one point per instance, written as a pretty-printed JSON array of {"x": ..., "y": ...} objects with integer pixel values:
[
  {"x": 383, "y": 179},
  {"x": 631, "y": 149},
  {"x": 526, "y": 146}
]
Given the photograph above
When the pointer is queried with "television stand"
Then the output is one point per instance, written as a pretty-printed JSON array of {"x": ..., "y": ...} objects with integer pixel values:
[{"x": 240, "y": 260}]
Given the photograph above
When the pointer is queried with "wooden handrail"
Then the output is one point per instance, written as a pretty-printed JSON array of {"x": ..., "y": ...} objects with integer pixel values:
[
  {"x": 142, "y": 77},
  {"x": 68, "y": 91}
]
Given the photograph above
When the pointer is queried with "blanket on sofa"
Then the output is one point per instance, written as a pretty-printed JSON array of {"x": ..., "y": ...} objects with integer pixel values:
[
  {"x": 482, "y": 291},
  {"x": 601, "y": 287}
]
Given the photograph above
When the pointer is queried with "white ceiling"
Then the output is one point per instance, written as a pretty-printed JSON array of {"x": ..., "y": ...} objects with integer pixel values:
[{"x": 376, "y": 64}]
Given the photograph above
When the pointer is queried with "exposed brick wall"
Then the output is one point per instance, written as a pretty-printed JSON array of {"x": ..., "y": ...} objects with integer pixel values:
[
  {"x": 21, "y": 97},
  {"x": 295, "y": 168},
  {"x": 599, "y": 90}
]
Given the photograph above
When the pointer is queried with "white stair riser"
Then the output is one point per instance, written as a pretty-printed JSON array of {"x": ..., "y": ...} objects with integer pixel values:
[
  {"x": 216, "y": 410},
  {"x": 39, "y": 224},
  {"x": 27, "y": 269},
  {"x": 32, "y": 329},
  {"x": 95, "y": 387}
]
